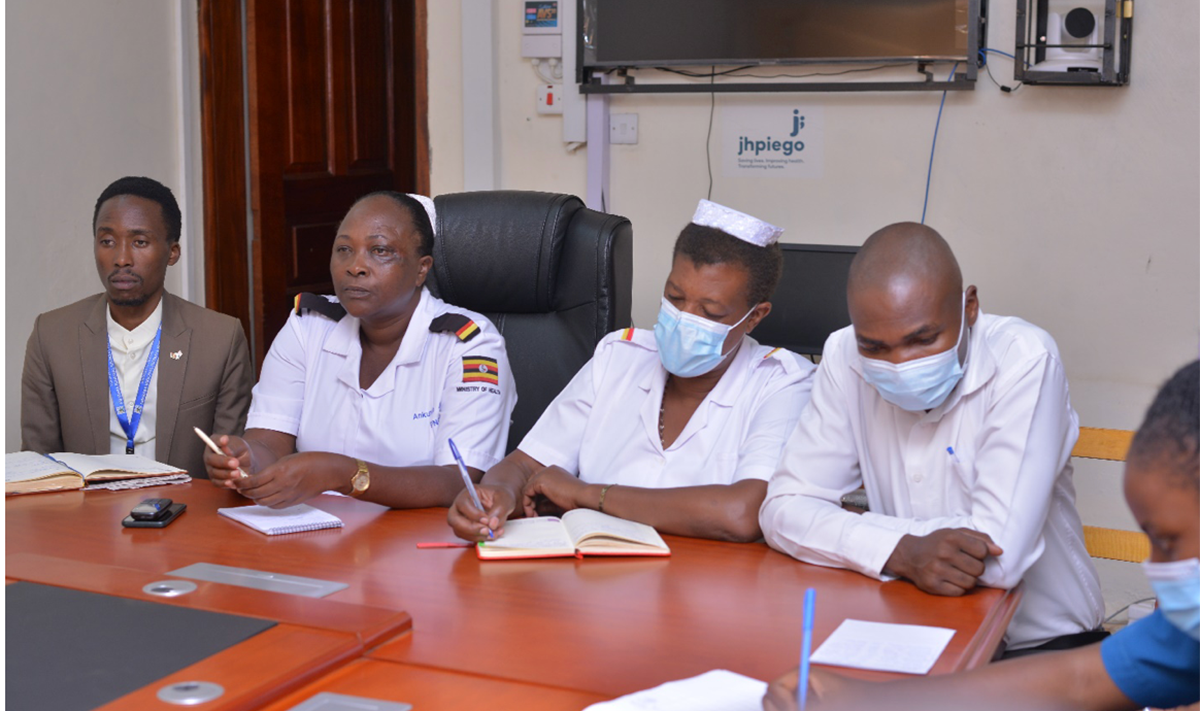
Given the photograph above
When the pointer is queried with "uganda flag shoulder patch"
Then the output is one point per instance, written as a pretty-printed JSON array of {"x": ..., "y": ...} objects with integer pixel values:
[
  {"x": 480, "y": 369},
  {"x": 458, "y": 324},
  {"x": 306, "y": 303}
]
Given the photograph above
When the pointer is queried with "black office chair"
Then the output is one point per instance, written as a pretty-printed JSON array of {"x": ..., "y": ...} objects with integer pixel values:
[{"x": 553, "y": 275}]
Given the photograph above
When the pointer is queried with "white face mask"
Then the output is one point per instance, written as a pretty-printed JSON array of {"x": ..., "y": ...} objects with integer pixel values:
[
  {"x": 920, "y": 384},
  {"x": 1177, "y": 587},
  {"x": 690, "y": 345}
]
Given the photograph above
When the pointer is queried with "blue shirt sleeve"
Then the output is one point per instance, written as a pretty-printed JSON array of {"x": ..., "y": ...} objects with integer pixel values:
[{"x": 1154, "y": 663}]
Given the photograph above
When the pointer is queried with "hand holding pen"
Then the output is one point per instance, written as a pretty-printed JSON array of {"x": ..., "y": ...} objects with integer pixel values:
[{"x": 469, "y": 485}]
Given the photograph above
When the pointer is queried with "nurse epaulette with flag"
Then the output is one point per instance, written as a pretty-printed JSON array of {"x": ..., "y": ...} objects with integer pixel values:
[
  {"x": 315, "y": 303},
  {"x": 459, "y": 325}
]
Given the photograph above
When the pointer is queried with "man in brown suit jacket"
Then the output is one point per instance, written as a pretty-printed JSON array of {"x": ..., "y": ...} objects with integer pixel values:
[{"x": 75, "y": 366}]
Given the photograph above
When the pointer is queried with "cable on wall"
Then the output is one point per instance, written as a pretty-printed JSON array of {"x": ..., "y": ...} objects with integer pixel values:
[
  {"x": 983, "y": 54},
  {"x": 933, "y": 148},
  {"x": 712, "y": 108}
]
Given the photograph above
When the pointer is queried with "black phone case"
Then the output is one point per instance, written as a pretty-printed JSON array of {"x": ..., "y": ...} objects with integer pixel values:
[{"x": 174, "y": 509}]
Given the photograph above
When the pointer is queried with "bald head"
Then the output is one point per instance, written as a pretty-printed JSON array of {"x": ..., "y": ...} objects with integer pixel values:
[
  {"x": 905, "y": 252},
  {"x": 905, "y": 293}
]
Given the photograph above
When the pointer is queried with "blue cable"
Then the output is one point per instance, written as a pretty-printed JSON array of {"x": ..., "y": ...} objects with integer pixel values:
[
  {"x": 936, "y": 126},
  {"x": 989, "y": 50},
  {"x": 984, "y": 51}
]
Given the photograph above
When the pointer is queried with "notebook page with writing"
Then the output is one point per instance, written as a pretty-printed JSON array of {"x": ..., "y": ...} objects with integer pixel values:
[
  {"x": 543, "y": 534},
  {"x": 274, "y": 522},
  {"x": 96, "y": 467},
  {"x": 28, "y": 466}
]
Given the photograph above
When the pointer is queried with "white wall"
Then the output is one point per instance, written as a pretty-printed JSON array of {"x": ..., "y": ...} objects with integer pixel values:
[
  {"x": 93, "y": 93},
  {"x": 1075, "y": 208}
]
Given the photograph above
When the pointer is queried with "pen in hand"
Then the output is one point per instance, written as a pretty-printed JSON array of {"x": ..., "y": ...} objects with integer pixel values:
[
  {"x": 213, "y": 446},
  {"x": 470, "y": 485}
]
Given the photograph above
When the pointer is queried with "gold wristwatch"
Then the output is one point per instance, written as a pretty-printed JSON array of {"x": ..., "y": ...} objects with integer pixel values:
[{"x": 361, "y": 481}]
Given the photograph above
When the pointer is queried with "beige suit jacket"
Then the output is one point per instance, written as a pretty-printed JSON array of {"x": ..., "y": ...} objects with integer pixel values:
[{"x": 64, "y": 387}]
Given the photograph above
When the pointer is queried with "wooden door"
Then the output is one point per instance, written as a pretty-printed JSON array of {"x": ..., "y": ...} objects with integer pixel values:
[{"x": 335, "y": 109}]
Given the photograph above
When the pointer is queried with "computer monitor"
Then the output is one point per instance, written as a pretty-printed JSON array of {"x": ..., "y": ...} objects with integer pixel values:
[{"x": 810, "y": 302}]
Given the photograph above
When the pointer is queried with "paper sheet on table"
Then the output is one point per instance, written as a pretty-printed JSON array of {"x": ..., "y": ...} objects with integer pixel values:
[
  {"x": 908, "y": 649},
  {"x": 717, "y": 690}
]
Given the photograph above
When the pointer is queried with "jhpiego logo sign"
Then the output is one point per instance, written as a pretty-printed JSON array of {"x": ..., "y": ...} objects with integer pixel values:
[{"x": 772, "y": 141}]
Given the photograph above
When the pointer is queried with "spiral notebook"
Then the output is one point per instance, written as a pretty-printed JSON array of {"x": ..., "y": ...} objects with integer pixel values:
[{"x": 274, "y": 522}]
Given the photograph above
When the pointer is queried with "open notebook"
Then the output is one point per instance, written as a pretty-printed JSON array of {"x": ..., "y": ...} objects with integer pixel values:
[
  {"x": 30, "y": 472},
  {"x": 273, "y": 522},
  {"x": 578, "y": 533}
]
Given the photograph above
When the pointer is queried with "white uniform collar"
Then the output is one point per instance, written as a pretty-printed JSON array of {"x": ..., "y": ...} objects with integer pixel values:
[
  {"x": 725, "y": 392},
  {"x": 344, "y": 341},
  {"x": 145, "y": 329}
]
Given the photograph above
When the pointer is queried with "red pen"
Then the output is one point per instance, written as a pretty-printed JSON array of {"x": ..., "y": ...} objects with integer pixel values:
[{"x": 445, "y": 544}]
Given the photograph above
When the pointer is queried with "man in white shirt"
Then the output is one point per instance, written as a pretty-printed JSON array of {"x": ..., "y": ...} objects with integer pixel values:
[
  {"x": 134, "y": 369},
  {"x": 960, "y": 428}
]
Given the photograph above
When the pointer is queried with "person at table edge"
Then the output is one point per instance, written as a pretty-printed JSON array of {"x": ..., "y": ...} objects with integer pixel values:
[
  {"x": 678, "y": 428},
  {"x": 360, "y": 392},
  {"x": 135, "y": 368},
  {"x": 1154, "y": 662},
  {"x": 960, "y": 427}
]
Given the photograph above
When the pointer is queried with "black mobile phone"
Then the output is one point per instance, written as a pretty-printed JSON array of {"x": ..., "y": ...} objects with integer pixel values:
[
  {"x": 151, "y": 509},
  {"x": 172, "y": 512}
]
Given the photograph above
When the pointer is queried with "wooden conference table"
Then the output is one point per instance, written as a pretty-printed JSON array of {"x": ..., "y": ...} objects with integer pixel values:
[{"x": 440, "y": 624}]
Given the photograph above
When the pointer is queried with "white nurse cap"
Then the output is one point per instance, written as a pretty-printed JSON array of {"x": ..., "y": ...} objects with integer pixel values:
[
  {"x": 738, "y": 224},
  {"x": 427, "y": 203}
]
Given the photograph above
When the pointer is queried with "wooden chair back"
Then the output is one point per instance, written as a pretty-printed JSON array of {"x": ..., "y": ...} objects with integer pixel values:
[{"x": 1110, "y": 543}]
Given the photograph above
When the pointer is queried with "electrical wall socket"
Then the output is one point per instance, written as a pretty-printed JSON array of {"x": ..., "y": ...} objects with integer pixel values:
[
  {"x": 623, "y": 128},
  {"x": 549, "y": 99}
]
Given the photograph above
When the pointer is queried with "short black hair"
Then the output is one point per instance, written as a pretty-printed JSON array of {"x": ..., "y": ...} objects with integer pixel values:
[
  {"x": 709, "y": 245},
  {"x": 150, "y": 189},
  {"x": 416, "y": 211},
  {"x": 1171, "y": 431}
]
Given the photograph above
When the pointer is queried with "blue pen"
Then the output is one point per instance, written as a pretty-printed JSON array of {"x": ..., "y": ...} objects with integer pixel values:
[
  {"x": 950, "y": 451},
  {"x": 810, "y": 603},
  {"x": 462, "y": 469}
]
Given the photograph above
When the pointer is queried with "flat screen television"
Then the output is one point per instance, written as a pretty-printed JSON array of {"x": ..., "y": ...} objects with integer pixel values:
[
  {"x": 633, "y": 34},
  {"x": 810, "y": 301}
]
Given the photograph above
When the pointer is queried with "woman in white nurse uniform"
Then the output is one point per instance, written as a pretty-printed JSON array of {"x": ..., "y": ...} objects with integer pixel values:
[
  {"x": 680, "y": 427},
  {"x": 360, "y": 395}
]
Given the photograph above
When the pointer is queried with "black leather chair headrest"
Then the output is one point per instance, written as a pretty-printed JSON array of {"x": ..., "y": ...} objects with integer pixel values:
[{"x": 499, "y": 251}]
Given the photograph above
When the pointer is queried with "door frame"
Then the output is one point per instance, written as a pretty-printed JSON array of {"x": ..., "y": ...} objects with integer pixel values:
[{"x": 229, "y": 222}]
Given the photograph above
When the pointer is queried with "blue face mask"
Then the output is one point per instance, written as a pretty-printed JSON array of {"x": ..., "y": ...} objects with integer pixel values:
[
  {"x": 689, "y": 345},
  {"x": 921, "y": 384},
  {"x": 1177, "y": 587}
]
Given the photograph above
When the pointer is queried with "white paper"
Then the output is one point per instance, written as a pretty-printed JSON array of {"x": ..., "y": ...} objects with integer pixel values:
[
  {"x": 717, "y": 690},
  {"x": 908, "y": 649}
]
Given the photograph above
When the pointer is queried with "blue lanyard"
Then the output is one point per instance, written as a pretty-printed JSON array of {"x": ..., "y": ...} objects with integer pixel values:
[{"x": 114, "y": 387}]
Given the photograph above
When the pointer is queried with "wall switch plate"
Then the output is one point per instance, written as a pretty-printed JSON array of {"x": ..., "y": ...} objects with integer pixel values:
[
  {"x": 623, "y": 128},
  {"x": 549, "y": 99},
  {"x": 541, "y": 46}
]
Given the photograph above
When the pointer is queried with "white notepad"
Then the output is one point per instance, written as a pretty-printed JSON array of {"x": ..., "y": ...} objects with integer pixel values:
[
  {"x": 908, "y": 649},
  {"x": 273, "y": 522},
  {"x": 717, "y": 690}
]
